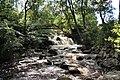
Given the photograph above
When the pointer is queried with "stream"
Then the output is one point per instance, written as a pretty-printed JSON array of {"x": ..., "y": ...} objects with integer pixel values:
[{"x": 62, "y": 61}]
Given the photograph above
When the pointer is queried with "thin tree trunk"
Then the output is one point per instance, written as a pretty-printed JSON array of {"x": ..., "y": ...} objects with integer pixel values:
[
  {"x": 83, "y": 18},
  {"x": 103, "y": 22},
  {"x": 69, "y": 24},
  {"x": 119, "y": 12},
  {"x": 74, "y": 18},
  {"x": 25, "y": 18},
  {"x": 83, "y": 14}
]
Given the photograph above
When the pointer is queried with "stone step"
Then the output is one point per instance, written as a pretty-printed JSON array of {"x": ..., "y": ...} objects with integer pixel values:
[
  {"x": 86, "y": 56},
  {"x": 80, "y": 56},
  {"x": 63, "y": 47}
]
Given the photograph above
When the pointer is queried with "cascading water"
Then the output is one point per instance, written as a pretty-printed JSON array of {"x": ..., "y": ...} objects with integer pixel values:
[
  {"x": 62, "y": 40},
  {"x": 60, "y": 62}
]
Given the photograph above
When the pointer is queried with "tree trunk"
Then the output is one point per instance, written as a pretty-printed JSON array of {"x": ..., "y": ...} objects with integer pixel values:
[
  {"x": 25, "y": 18},
  {"x": 119, "y": 12},
  {"x": 103, "y": 22},
  {"x": 74, "y": 18},
  {"x": 69, "y": 24},
  {"x": 83, "y": 14}
]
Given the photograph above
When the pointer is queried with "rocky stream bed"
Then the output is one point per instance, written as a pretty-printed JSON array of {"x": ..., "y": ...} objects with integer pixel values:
[{"x": 59, "y": 62}]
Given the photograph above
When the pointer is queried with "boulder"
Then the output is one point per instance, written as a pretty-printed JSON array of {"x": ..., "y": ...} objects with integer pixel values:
[
  {"x": 63, "y": 78},
  {"x": 80, "y": 58},
  {"x": 41, "y": 56},
  {"x": 73, "y": 70},
  {"x": 87, "y": 51},
  {"x": 45, "y": 61},
  {"x": 84, "y": 71},
  {"x": 71, "y": 56},
  {"x": 64, "y": 65},
  {"x": 52, "y": 52},
  {"x": 115, "y": 75},
  {"x": 108, "y": 64}
]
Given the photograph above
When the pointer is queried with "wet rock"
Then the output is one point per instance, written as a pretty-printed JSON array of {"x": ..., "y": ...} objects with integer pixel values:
[
  {"x": 26, "y": 61},
  {"x": 89, "y": 79},
  {"x": 118, "y": 58},
  {"x": 89, "y": 58},
  {"x": 57, "y": 63},
  {"x": 41, "y": 56},
  {"x": 49, "y": 62},
  {"x": 38, "y": 50},
  {"x": 80, "y": 58},
  {"x": 95, "y": 50},
  {"x": 84, "y": 71},
  {"x": 79, "y": 47},
  {"x": 64, "y": 66},
  {"x": 85, "y": 56},
  {"x": 108, "y": 64},
  {"x": 52, "y": 52},
  {"x": 83, "y": 47},
  {"x": 91, "y": 76},
  {"x": 45, "y": 61},
  {"x": 63, "y": 78},
  {"x": 75, "y": 51},
  {"x": 71, "y": 56},
  {"x": 57, "y": 47},
  {"x": 73, "y": 70},
  {"x": 58, "y": 39},
  {"x": 50, "y": 43},
  {"x": 87, "y": 51},
  {"x": 44, "y": 51},
  {"x": 62, "y": 56},
  {"x": 117, "y": 67},
  {"x": 115, "y": 75}
]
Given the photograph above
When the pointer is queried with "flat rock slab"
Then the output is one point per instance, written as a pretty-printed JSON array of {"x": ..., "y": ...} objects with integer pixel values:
[
  {"x": 65, "y": 46},
  {"x": 115, "y": 75},
  {"x": 83, "y": 55}
]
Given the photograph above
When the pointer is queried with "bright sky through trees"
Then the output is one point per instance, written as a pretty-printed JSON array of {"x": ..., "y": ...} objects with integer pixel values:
[{"x": 115, "y": 4}]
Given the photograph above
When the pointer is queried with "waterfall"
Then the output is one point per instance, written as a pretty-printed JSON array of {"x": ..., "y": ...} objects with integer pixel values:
[{"x": 61, "y": 40}]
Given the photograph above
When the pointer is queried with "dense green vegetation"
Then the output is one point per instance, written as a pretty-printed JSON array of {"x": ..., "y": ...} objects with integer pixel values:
[{"x": 28, "y": 27}]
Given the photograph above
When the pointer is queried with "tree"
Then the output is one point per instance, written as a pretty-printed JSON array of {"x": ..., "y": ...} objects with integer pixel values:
[
  {"x": 10, "y": 43},
  {"x": 104, "y": 8},
  {"x": 119, "y": 12},
  {"x": 66, "y": 15}
]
